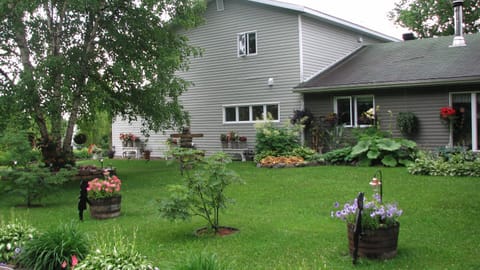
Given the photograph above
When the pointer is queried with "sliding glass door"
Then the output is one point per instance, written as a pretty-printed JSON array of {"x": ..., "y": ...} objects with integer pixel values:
[{"x": 466, "y": 128}]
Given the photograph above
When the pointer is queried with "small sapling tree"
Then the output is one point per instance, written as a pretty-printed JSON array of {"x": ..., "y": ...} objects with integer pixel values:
[
  {"x": 23, "y": 174},
  {"x": 203, "y": 191}
]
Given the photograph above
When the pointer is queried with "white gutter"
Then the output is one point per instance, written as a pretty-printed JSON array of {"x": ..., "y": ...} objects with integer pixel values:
[{"x": 372, "y": 86}]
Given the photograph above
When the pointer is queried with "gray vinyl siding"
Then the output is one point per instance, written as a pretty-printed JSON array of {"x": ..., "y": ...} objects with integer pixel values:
[
  {"x": 221, "y": 78},
  {"x": 324, "y": 45},
  {"x": 425, "y": 103}
]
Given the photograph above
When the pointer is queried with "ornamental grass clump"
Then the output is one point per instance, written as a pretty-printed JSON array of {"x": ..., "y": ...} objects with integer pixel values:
[
  {"x": 104, "y": 188},
  {"x": 376, "y": 214},
  {"x": 57, "y": 248}
]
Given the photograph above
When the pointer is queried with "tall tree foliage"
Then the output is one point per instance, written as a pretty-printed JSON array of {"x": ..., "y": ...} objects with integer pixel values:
[
  {"x": 72, "y": 58},
  {"x": 430, "y": 18}
]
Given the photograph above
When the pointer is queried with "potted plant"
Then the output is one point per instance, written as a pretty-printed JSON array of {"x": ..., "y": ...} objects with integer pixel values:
[
  {"x": 128, "y": 139},
  {"x": 104, "y": 196},
  {"x": 224, "y": 140},
  {"x": 232, "y": 137},
  {"x": 379, "y": 226},
  {"x": 242, "y": 142},
  {"x": 147, "y": 154}
]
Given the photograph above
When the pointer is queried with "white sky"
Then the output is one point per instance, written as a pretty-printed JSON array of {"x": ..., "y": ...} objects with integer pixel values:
[{"x": 368, "y": 13}]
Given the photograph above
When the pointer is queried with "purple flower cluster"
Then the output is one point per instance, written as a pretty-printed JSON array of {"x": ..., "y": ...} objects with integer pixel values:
[{"x": 375, "y": 213}]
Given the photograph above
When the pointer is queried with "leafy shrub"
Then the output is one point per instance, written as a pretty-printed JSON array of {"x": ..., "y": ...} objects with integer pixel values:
[
  {"x": 203, "y": 193},
  {"x": 16, "y": 147},
  {"x": 465, "y": 163},
  {"x": 339, "y": 156},
  {"x": 25, "y": 178},
  {"x": 262, "y": 155},
  {"x": 302, "y": 117},
  {"x": 304, "y": 152},
  {"x": 34, "y": 182},
  {"x": 387, "y": 151},
  {"x": 280, "y": 141},
  {"x": 54, "y": 247},
  {"x": 81, "y": 153},
  {"x": 202, "y": 261},
  {"x": 369, "y": 132},
  {"x": 13, "y": 237},
  {"x": 407, "y": 123},
  {"x": 333, "y": 137},
  {"x": 119, "y": 253}
]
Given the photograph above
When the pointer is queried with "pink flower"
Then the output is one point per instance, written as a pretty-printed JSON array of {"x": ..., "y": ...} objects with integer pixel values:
[
  {"x": 74, "y": 260},
  {"x": 64, "y": 264}
]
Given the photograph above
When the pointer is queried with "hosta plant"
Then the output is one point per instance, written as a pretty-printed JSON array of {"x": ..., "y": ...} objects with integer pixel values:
[
  {"x": 117, "y": 252},
  {"x": 387, "y": 151},
  {"x": 13, "y": 237}
]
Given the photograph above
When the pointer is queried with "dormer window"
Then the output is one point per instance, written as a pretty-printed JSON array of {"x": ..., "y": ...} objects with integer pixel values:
[{"x": 247, "y": 43}]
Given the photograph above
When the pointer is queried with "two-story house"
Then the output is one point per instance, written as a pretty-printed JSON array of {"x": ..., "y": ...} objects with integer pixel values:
[{"x": 255, "y": 53}]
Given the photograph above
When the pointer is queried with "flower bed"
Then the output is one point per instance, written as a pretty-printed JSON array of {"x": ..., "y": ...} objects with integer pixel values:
[{"x": 282, "y": 162}]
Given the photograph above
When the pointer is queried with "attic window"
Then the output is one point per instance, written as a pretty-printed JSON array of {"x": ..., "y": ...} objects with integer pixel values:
[
  {"x": 220, "y": 5},
  {"x": 247, "y": 43}
]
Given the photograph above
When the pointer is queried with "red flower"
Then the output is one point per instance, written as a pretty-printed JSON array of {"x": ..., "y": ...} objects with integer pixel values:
[{"x": 447, "y": 112}]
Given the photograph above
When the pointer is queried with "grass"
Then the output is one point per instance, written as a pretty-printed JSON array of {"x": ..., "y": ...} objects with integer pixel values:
[{"x": 284, "y": 217}]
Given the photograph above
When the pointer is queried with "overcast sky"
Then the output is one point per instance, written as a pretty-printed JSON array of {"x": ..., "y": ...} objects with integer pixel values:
[{"x": 368, "y": 13}]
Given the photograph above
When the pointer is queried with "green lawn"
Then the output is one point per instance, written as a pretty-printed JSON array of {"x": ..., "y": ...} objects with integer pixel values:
[{"x": 284, "y": 217}]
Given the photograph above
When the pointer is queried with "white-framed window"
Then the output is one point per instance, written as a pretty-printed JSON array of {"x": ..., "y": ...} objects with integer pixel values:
[
  {"x": 247, "y": 43},
  {"x": 355, "y": 111},
  {"x": 249, "y": 113}
]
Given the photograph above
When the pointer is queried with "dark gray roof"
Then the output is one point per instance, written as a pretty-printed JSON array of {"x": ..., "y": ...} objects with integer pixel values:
[{"x": 417, "y": 62}]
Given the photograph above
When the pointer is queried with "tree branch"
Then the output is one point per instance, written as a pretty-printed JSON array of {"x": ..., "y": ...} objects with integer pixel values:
[
  {"x": 89, "y": 38},
  {"x": 5, "y": 74},
  {"x": 20, "y": 38}
]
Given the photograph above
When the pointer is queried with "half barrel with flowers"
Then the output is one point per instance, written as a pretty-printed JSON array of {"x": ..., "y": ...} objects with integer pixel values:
[
  {"x": 375, "y": 213},
  {"x": 104, "y": 196},
  {"x": 372, "y": 225},
  {"x": 104, "y": 188}
]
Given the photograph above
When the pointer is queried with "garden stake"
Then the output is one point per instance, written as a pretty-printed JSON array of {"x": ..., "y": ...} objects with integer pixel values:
[
  {"x": 82, "y": 199},
  {"x": 357, "y": 230}
]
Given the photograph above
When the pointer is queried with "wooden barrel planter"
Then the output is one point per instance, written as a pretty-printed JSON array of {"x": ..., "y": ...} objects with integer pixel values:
[
  {"x": 106, "y": 207},
  {"x": 376, "y": 244}
]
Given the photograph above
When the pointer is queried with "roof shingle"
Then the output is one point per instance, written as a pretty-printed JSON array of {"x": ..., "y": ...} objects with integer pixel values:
[{"x": 413, "y": 62}]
